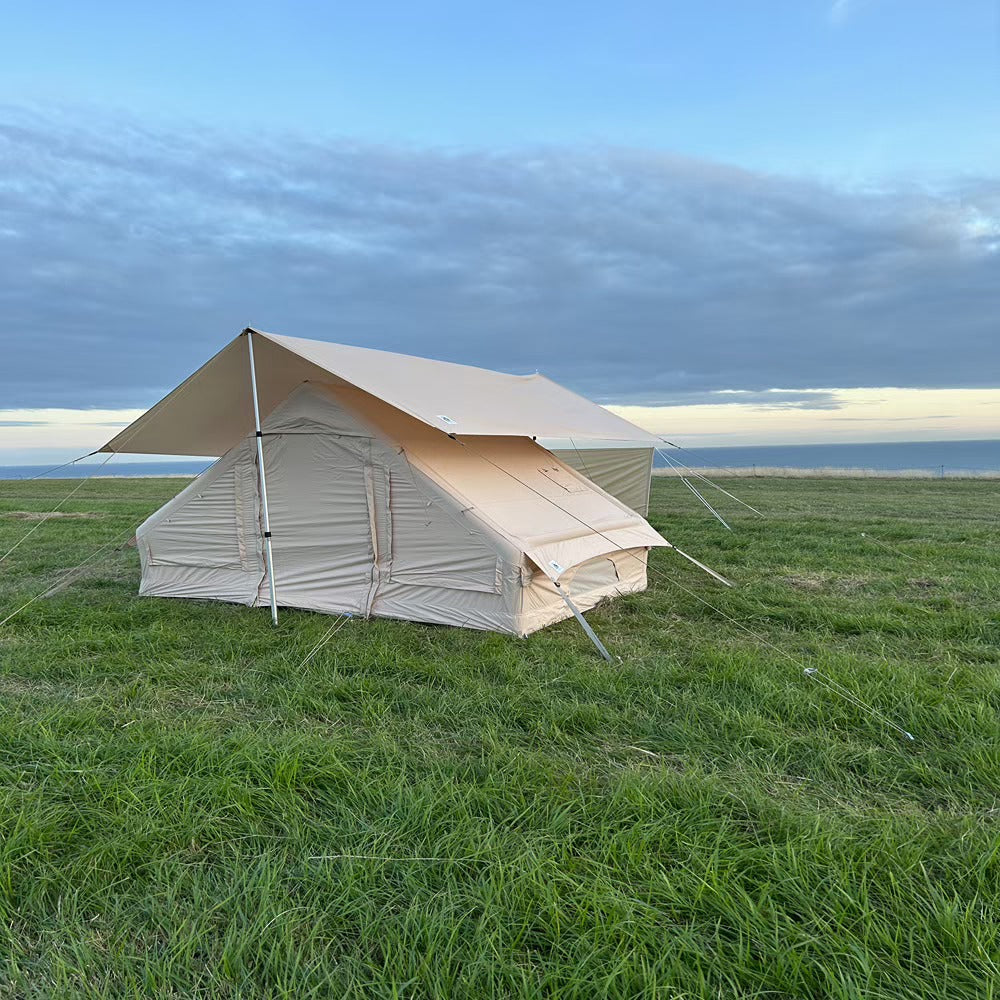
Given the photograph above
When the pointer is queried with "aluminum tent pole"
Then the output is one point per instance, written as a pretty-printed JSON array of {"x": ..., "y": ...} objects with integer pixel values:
[
  {"x": 585, "y": 625},
  {"x": 263, "y": 478}
]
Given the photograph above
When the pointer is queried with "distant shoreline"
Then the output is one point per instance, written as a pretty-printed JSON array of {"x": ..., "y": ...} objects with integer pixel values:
[
  {"x": 785, "y": 472},
  {"x": 754, "y": 472}
]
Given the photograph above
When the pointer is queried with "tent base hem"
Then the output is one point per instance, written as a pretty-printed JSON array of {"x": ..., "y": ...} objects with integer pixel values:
[{"x": 527, "y": 624}]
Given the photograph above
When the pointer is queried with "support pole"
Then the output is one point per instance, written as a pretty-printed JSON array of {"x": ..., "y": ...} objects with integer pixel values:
[
  {"x": 584, "y": 624},
  {"x": 263, "y": 479}
]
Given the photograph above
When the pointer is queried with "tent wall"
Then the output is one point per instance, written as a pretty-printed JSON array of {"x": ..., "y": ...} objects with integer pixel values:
[
  {"x": 544, "y": 508},
  {"x": 625, "y": 473},
  {"x": 321, "y": 518},
  {"x": 206, "y": 542}
]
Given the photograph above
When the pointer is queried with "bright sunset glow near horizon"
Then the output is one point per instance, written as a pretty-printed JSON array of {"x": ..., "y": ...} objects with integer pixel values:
[{"x": 855, "y": 415}]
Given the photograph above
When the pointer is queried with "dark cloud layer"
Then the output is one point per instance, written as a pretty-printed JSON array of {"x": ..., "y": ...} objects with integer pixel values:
[{"x": 129, "y": 255}]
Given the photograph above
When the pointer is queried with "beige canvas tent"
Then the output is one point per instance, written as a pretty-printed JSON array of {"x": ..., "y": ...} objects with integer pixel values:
[{"x": 392, "y": 486}]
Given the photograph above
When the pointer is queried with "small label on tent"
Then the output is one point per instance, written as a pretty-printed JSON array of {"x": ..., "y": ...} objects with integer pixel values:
[
  {"x": 446, "y": 420},
  {"x": 559, "y": 569}
]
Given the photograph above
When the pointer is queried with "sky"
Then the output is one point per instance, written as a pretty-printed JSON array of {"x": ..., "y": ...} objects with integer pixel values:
[{"x": 748, "y": 223}]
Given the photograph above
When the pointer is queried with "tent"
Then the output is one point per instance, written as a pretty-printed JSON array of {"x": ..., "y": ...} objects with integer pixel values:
[{"x": 371, "y": 483}]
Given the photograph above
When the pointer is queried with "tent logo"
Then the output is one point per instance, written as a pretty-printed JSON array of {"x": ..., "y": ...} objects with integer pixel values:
[{"x": 447, "y": 420}]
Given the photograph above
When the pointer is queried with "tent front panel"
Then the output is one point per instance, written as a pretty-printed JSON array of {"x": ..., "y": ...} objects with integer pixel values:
[{"x": 418, "y": 556}]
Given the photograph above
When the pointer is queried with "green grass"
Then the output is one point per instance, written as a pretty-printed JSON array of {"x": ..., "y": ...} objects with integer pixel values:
[{"x": 697, "y": 820}]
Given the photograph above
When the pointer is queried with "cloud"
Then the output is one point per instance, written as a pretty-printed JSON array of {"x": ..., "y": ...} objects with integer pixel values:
[
  {"x": 779, "y": 399},
  {"x": 872, "y": 414},
  {"x": 771, "y": 399},
  {"x": 129, "y": 255}
]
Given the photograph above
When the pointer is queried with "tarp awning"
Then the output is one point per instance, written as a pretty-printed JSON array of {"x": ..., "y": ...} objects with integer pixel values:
[{"x": 212, "y": 410}]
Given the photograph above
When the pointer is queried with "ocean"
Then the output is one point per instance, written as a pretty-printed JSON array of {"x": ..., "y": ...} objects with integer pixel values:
[
  {"x": 939, "y": 457},
  {"x": 936, "y": 457}
]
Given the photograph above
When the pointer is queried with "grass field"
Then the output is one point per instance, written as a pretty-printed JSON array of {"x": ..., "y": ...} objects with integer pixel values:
[{"x": 431, "y": 812}]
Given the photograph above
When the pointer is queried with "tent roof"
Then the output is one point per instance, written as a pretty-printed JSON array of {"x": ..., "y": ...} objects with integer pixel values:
[{"x": 210, "y": 411}]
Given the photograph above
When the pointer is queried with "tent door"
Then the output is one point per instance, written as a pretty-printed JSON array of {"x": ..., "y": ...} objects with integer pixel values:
[
  {"x": 373, "y": 520},
  {"x": 321, "y": 523},
  {"x": 379, "y": 526}
]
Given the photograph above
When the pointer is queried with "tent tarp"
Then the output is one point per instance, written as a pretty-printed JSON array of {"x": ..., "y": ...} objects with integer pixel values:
[{"x": 211, "y": 411}]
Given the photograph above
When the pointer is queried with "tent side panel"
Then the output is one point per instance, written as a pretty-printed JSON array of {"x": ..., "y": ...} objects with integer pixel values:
[
  {"x": 515, "y": 489},
  {"x": 446, "y": 606},
  {"x": 623, "y": 472}
]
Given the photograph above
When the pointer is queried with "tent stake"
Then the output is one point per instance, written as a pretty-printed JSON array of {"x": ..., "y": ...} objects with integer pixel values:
[
  {"x": 263, "y": 480},
  {"x": 584, "y": 624}
]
